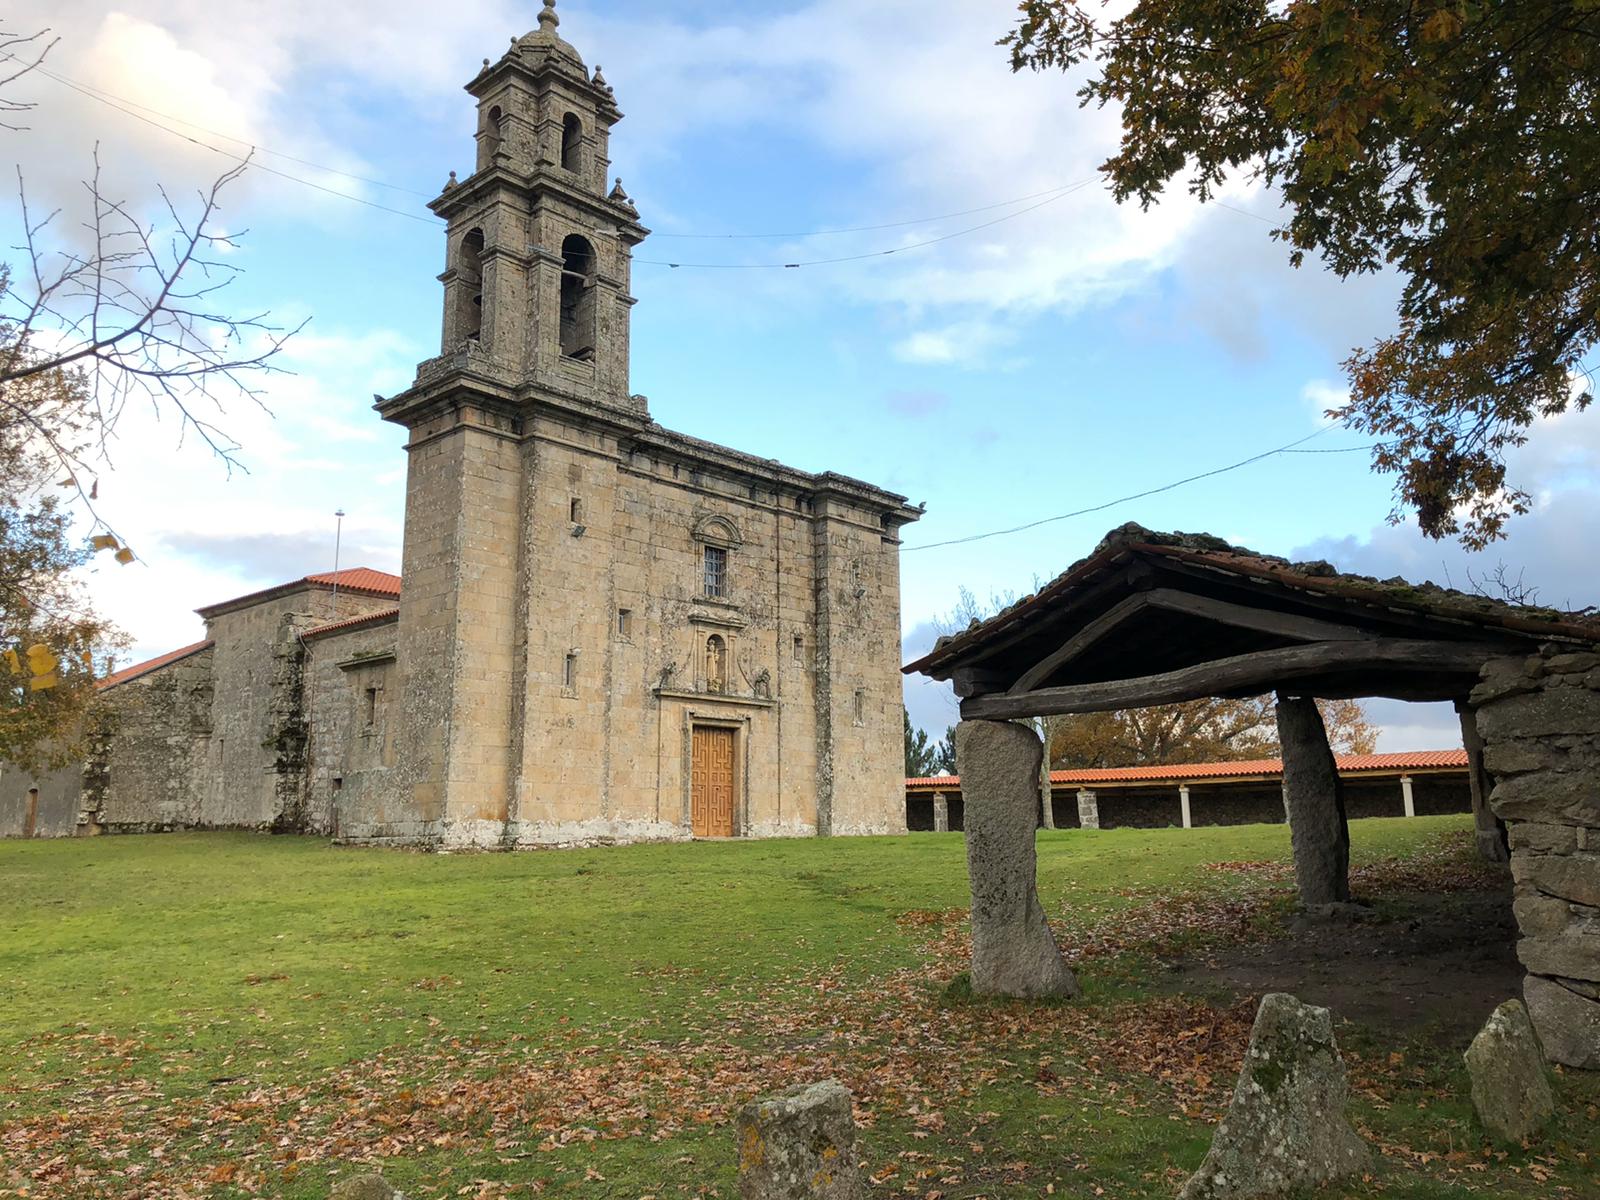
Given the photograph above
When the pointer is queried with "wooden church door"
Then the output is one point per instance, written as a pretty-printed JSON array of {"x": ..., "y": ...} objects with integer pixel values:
[{"x": 711, "y": 783}]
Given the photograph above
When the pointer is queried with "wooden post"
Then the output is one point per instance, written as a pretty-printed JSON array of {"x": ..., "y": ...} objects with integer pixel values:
[{"x": 1491, "y": 831}]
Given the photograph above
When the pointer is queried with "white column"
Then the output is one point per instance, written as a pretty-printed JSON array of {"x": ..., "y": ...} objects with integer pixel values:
[
  {"x": 1088, "y": 810},
  {"x": 1405, "y": 794},
  {"x": 1183, "y": 803},
  {"x": 941, "y": 813}
]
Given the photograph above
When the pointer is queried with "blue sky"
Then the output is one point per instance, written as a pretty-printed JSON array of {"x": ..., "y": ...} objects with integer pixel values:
[{"x": 1055, "y": 360}]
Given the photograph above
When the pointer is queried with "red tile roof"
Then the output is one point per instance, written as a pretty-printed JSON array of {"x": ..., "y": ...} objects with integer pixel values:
[
  {"x": 1415, "y": 760},
  {"x": 371, "y": 618},
  {"x": 356, "y": 579},
  {"x": 360, "y": 579},
  {"x": 155, "y": 664}
]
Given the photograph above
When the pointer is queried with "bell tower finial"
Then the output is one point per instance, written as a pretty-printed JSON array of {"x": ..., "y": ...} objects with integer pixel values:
[{"x": 548, "y": 20}]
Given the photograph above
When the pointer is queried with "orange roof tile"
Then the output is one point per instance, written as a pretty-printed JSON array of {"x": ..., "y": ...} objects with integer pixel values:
[
  {"x": 155, "y": 664},
  {"x": 1415, "y": 760},
  {"x": 371, "y": 618},
  {"x": 360, "y": 579}
]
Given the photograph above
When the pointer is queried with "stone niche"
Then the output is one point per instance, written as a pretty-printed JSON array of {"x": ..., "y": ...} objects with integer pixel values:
[{"x": 1539, "y": 717}]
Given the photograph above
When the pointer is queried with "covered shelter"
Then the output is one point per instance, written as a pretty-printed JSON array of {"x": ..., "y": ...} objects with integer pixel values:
[{"x": 1151, "y": 618}]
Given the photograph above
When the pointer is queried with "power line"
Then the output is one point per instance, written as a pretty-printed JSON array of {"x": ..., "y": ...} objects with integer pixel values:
[
  {"x": 967, "y": 212},
  {"x": 1083, "y": 512},
  {"x": 848, "y": 258}
]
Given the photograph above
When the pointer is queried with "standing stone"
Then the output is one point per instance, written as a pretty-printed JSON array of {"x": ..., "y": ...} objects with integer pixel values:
[
  {"x": 1318, "y": 831},
  {"x": 1286, "y": 1127},
  {"x": 800, "y": 1145},
  {"x": 1013, "y": 951},
  {"x": 365, "y": 1187},
  {"x": 1510, "y": 1089}
]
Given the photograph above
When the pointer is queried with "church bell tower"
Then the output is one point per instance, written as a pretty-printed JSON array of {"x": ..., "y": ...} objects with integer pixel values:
[
  {"x": 536, "y": 315},
  {"x": 539, "y": 243}
]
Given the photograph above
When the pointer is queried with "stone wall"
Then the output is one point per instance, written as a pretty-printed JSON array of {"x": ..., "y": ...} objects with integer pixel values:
[
  {"x": 350, "y": 692},
  {"x": 1539, "y": 718}
]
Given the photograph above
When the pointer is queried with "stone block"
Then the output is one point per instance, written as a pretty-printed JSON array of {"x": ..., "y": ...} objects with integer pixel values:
[
  {"x": 1558, "y": 797},
  {"x": 799, "y": 1145},
  {"x": 1544, "y": 839},
  {"x": 1539, "y": 915},
  {"x": 1566, "y": 664},
  {"x": 1567, "y": 1021},
  {"x": 1510, "y": 1088},
  {"x": 1286, "y": 1127},
  {"x": 1574, "y": 877},
  {"x": 1545, "y": 713}
]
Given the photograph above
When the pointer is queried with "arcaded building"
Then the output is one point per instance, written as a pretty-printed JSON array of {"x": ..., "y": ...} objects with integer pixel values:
[{"x": 606, "y": 630}]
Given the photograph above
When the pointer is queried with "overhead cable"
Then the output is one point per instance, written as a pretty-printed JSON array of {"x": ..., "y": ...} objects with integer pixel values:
[{"x": 1290, "y": 448}]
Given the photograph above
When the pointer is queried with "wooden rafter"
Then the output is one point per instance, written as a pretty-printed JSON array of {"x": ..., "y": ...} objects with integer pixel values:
[{"x": 1239, "y": 616}]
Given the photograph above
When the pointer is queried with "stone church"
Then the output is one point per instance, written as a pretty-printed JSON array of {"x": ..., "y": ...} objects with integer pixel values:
[{"x": 607, "y": 631}]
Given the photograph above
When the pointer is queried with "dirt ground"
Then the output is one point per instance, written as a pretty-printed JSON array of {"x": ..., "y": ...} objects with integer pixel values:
[{"x": 1421, "y": 962}]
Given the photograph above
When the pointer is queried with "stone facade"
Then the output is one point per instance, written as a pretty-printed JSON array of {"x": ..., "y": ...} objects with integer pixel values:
[
  {"x": 609, "y": 631},
  {"x": 1539, "y": 718}
]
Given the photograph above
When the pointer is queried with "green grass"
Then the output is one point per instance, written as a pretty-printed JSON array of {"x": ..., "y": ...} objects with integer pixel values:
[{"x": 230, "y": 1014}]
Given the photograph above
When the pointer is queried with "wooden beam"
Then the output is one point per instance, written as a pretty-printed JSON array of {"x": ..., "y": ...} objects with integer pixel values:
[
  {"x": 1223, "y": 612},
  {"x": 1263, "y": 669}
]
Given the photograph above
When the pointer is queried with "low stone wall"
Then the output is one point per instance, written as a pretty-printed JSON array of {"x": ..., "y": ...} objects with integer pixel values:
[{"x": 1539, "y": 718}]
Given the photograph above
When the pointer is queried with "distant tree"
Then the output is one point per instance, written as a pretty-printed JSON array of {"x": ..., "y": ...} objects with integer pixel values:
[
  {"x": 49, "y": 635},
  {"x": 921, "y": 752},
  {"x": 1208, "y": 730},
  {"x": 1452, "y": 141},
  {"x": 944, "y": 753}
]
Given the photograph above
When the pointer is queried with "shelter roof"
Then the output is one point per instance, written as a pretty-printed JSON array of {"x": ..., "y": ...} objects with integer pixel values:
[
  {"x": 1349, "y": 764},
  {"x": 1147, "y": 604}
]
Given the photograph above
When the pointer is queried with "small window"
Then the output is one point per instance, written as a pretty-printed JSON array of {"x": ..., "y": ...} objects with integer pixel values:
[
  {"x": 338, "y": 785},
  {"x": 569, "y": 672},
  {"x": 799, "y": 649},
  {"x": 861, "y": 707},
  {"x": 575, "y": 510},
  {"x": 716, "y": 572},
  {"x": 624, "y": 622},
  {"x": 372, "y": 707},
  {"x": 716, "y": 664}
]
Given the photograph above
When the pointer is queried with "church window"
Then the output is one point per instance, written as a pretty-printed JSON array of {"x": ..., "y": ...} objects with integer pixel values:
[
  {"x": 572, "y": 143},
  {"x": 799, "y": 650},
  {"x": 372, "y": 707},
  {"x": 569, "y": 671},
  {"x": 577, "y": 299},
  {"x": 716, "y": 664},
  {"x": 716, "y": 578},
  {"x": 860, "y": 715},
  {"x": 469, "y": 282},
  {"x": 575, "y": 510},
  {"x": 624, "y": 623}
]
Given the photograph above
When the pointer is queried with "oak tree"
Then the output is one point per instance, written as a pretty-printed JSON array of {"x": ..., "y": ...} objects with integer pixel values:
[{"x": 1455, "y": 142}]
